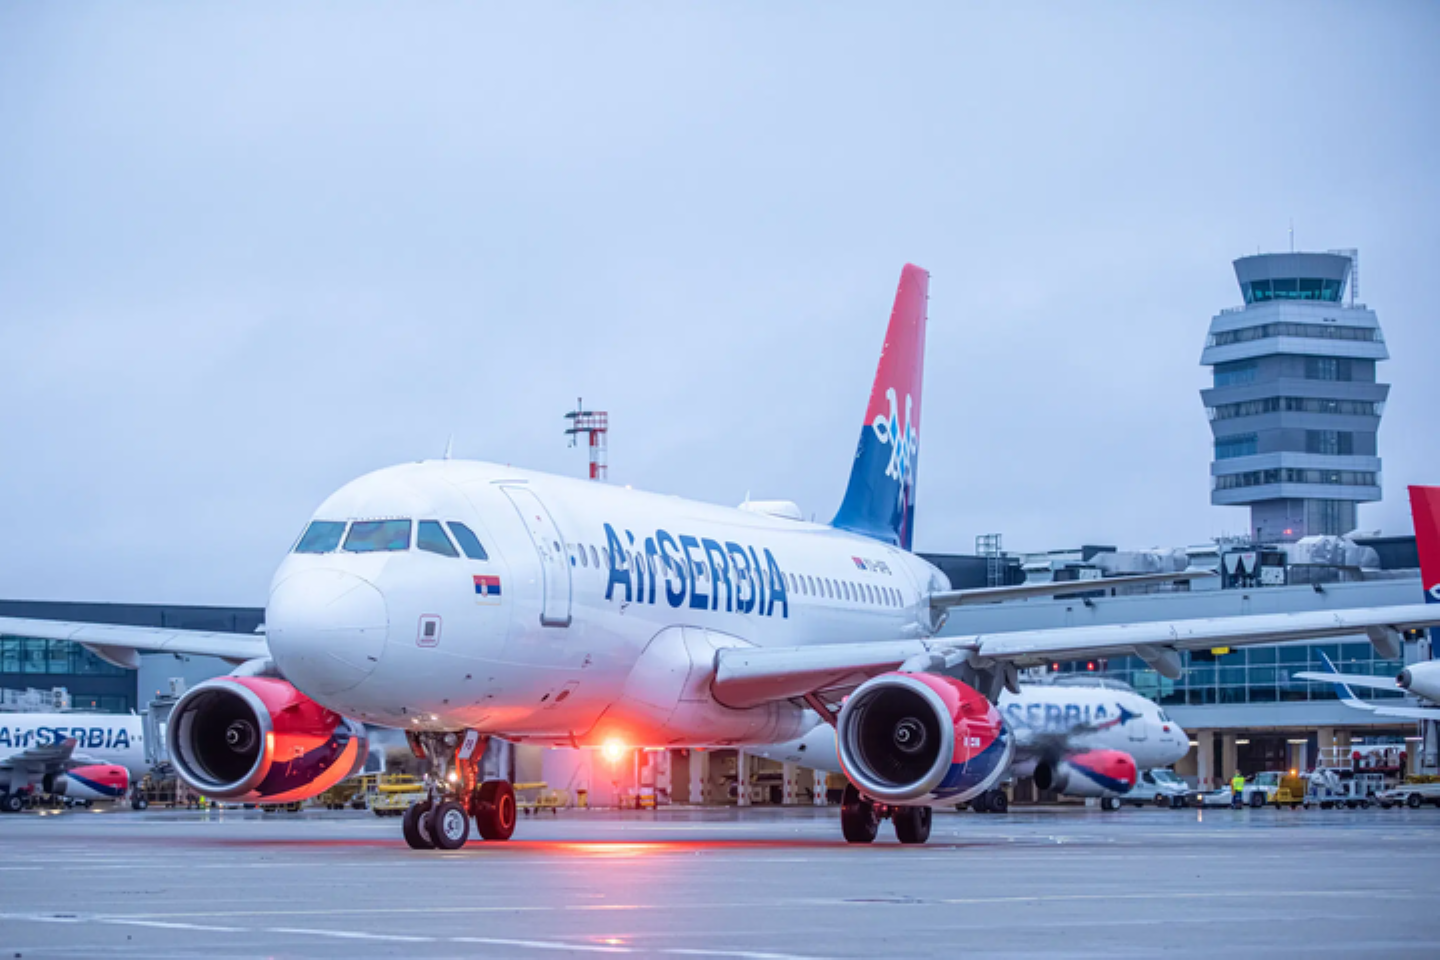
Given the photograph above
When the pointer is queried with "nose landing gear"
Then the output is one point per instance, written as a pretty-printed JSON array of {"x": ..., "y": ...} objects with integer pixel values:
[{"x": 442, "y": 820}]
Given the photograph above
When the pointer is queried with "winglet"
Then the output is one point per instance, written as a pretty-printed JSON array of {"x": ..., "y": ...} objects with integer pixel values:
[{"x": 1347, "y": 696}]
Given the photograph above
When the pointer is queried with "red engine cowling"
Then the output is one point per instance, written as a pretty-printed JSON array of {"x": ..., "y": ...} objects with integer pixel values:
[
  {"x": 920, "y": 738},
  {"x": 1096, "y": 773},
  {"x": 259, "y": 739},
  {"x": 99, "y": 781}
]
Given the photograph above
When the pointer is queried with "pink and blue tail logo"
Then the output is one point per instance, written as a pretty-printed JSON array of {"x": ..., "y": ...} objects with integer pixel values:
[{"x": 880, "y": 499}]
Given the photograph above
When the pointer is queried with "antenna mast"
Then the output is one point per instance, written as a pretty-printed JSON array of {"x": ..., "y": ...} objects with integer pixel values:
[{"x": 595, "y": 423}]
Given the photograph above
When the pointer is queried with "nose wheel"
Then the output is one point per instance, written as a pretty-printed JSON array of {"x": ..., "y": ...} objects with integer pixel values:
[{"x": 442, "y": 820}]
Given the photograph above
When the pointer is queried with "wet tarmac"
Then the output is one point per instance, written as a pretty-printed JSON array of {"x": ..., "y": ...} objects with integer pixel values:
[{"x": 763, "y": 884}]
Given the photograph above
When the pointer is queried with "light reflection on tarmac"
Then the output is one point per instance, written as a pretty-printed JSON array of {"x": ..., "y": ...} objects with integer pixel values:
[{"x": 724, "y": 883}]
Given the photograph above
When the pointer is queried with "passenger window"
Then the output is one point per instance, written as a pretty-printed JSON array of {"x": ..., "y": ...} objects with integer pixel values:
[
  {"x": 375, "y": 536},
  {"x": 322, "y": 536},
  {"x": 468, "y": 541},
  {"x": 431, "y": 538}
]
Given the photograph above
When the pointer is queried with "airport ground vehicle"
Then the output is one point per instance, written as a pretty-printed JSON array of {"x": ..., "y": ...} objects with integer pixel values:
[
  {"x": 1412, "y": 793},
  {"x": 1160, "y": 788}
]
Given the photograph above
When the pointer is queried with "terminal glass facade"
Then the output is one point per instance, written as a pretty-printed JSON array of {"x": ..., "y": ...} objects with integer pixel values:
[
  {"x": 1250, "y": 675},
  {"x": 27, "y": 662}
]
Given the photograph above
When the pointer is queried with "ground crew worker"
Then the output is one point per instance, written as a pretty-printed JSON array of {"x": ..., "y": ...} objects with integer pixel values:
[{"x": 1237, "y": 788}]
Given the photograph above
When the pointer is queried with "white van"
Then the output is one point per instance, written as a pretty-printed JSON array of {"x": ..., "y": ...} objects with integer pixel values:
[{"x": 1162, "y": 788}]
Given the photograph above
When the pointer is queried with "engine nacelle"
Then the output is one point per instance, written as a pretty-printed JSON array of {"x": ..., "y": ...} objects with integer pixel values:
[
  {"x": 100, "y": 781},
  {"x": 1421, "y": 679},
  {"x": 1096, "y": 773},
  {"x": 258, "y": 739},
  {"x": 918, "y": 738}
]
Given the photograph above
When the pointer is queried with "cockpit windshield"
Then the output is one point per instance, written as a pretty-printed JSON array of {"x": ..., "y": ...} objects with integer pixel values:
[
  {"x": 322, "y": 536},
  {"x": 432, "y": 539},
  {"x": 371, "y": 536}
]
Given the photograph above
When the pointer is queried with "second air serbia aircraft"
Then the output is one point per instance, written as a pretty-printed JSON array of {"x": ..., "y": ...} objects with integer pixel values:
[{"x": 460, "y": 600}]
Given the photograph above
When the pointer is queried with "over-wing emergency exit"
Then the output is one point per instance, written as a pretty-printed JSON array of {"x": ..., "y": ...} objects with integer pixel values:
[{"x": 462, "y": 600}]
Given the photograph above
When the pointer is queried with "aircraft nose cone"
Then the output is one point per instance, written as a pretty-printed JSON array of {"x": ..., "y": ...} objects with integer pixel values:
[{"x": 326, "y": 629}]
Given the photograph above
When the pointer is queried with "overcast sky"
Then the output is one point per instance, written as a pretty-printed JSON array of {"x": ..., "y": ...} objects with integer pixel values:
[{"x": 251, "y": 251}]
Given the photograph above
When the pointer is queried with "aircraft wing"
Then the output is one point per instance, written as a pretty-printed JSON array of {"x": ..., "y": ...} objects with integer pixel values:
[
  {"x": 748, "y": 676},
  {"x": 33, "y": 763},
  {"x": 964, "y": 598},
  {"x": 1350, "y": 679},
  {"x": 122, "y": 645}
]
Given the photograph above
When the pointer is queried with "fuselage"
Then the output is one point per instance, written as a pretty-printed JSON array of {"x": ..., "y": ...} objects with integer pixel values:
[
  {"x": 535, "y": 640},
  {"x": 102, "y": 737}
]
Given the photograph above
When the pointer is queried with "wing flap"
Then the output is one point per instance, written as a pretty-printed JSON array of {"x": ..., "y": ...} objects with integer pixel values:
[{"x": 111, "y": 641}]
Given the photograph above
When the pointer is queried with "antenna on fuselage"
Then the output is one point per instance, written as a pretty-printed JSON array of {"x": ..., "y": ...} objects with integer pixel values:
[{"x": 449, "y": 447}]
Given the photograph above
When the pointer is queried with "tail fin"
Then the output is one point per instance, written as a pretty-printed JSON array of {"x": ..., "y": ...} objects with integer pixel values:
[
  {"x": 880, "y": 500},
  {"x": 1425, "y": 506}
]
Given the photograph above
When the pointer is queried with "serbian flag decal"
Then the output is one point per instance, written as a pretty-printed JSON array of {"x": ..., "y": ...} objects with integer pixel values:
[{"x": 487, "y": 589}]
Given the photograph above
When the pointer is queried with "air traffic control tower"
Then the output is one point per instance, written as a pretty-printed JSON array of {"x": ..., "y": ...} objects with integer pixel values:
[{"x": 1295, "y": 406}]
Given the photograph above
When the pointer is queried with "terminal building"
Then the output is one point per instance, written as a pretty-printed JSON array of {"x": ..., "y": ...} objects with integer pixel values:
[{"x": 1295, "y": 408}]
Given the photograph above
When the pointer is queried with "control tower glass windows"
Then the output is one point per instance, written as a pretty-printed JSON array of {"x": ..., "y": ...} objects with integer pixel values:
[
  {"x": 1332, "y": 443},
  {"x": 1293, "y": 288},
  {"x": 1313, "y": 331},
  {"x": 1235, "y": 374},
  {"x": 1327, "y": 368},
  {"x": 1252, "y": 408},
  {"x": 1241, "y": 445},
  {"x": 1257, "y": 478}
]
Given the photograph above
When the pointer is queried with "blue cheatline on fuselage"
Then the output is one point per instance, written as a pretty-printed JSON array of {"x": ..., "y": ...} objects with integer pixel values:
[
  {"x": 1100, "y": 779},
  {"x": 97, "y": 786},
  {"x": 749, "y": 586}
]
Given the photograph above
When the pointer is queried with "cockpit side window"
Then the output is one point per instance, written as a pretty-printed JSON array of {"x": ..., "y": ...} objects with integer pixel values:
[
  {"x": 468, "y": 541},
  {"x": 431, "y": 538},
  {"x": 372, "y": 536},
  {"x": 322, "y": 536}
]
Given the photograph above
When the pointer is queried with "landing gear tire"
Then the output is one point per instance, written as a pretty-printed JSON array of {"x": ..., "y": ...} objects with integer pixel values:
[
  {"x": 12, "y": 803},
  {"x": 449, "y": 825},
  {"x": 859, "y": 821},
  {"x": 416, "y": 826},
  {"x": 981, "y": 804},
  {"x": 495, "y": 810},
  {"x": 998, "y": 802},
  {"x": 912, "y": 824},
  {"x": 1110, "y": 803},
  {"x": 139, "y": 803}
]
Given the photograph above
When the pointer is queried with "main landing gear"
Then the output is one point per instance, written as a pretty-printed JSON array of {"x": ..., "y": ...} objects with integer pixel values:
[
  {"x": 860, "y": 819},
  {"x": 991, "y": 801},
  {"x": 442, "y": 820}
]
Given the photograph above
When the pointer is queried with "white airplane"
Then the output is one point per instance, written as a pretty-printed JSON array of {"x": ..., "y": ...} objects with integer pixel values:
[
  {"x": 1421, "y": 679},
  {"x": 82, "y": 756},
  {"x": 1074, "y": 736},
  {"x": 461, "y": 600}
]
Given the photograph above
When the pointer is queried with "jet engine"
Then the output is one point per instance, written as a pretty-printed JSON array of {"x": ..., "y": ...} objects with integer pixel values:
[
  {"x": 100, "y": 781},
  {"x": 1421, "y": 679},
  {"x": 258, "y": 739},
  {"x": 918, "y": 738},
  {"x": 1096, "y": 773}
]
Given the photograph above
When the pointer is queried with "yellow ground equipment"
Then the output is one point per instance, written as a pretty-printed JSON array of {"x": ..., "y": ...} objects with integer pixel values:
[
  {"x": 1291, "y": 792},
  {"x": 533, "y": 798},
  {"x": 394, "y": 795}
]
